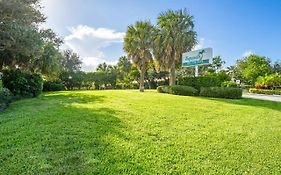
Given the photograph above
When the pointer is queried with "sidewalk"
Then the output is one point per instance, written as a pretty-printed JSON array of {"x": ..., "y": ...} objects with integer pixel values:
[{"x": 263, "y": 97}]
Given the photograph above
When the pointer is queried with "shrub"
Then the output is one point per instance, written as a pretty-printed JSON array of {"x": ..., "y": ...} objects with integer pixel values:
[
  {"x": 5, "y": 98},
  {"x": 160, "y": 89},
  {"x": 268, "y": 81},
  {"x": 198, "y": 82},
  {"x": 229, "y": 84},
  {"x": 164, "y": 89},
  {"x": 178, "y": 90},
  {"x": 265, "y": 91},
  {"x": 221, "y": 92},
  {"x": 53, "y": 86},
  {"x": 22, "y": 84},
  {"x": 184, "y": 90}
]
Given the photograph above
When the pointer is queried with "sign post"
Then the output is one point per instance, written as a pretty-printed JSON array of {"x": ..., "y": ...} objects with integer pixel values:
[
  {"x": 196, "y": 71},
  {"x": 197, "y": 58}
]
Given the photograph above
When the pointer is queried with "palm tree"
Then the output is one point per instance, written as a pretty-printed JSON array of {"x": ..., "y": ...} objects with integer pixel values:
[
  {"x": 138, "y": 45},
  {"x": 175, "y": 36},
  {"x": 217, "y": 63}
]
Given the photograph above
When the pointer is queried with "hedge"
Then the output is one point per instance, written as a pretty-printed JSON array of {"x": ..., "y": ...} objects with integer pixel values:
[
  {"x": 198, "y": 82},
  {"x": 22, "y": 84},
  {"x": 164, "y": 89},
  {"x": 178, "y": 90},
  {"x": 6, "y": 98},
  {"x": 221, "y": 92},
  {"x": 53, "y": 86},
  {"x": 265, "y": 91}
]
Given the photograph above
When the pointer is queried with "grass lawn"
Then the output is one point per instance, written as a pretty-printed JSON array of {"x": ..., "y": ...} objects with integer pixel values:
[{"x": 128, "y": 132}]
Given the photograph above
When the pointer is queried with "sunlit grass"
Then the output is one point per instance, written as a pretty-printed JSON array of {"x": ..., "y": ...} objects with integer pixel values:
[{"x": 113, "y": 132}]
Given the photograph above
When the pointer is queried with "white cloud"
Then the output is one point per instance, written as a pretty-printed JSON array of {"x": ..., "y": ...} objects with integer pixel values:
[
  {"x": 200, "y": 44},
  {"x": 88, "y": 42},
  {"x": 91, "y": 63},
  {"x": 247, "y": 53}
]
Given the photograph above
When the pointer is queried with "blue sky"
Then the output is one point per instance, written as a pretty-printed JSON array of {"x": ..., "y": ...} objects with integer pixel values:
[{"x": 233, "y": 28}]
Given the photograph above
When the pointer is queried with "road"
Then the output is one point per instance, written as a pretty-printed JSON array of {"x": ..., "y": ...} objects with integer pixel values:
[{"x": 263, "y": 97}]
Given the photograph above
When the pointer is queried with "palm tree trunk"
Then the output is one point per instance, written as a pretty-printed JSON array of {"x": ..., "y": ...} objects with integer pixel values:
[
  {"x": 172, "y": 71},
  {"x": 142, "y": 80}
]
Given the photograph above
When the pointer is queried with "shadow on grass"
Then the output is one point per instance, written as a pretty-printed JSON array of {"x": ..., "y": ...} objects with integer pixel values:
[
  {"x": 80, "y": 97},
  {"x": 249, "y": 102},
  {"x": 68, "y": 139}
]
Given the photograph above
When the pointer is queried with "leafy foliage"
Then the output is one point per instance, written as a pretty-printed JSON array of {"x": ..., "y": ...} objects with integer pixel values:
[
  {"x": 198, "y": 82},
  {"x": 268, "y": 81},
  {"x": 48, "y": 62},
  {"x": 276, "y": 68},
  {"x": 22, "y": 84},
  {"x": 5, "y": 98},
  {"x": 265, "y": 91},
  {"x": 21, "y": 38},
  {"x": 229, "y": 84},
  {"x": 217, "y": 63},
  {"x": 184, "y": 90},
  {"x": 53, "y": 86},
  {"x": 221, "y": 92},
  {"x": 178, "y": 90},
  {"x": 250, "y": 68},
  {"x": 70, "y": 61}
]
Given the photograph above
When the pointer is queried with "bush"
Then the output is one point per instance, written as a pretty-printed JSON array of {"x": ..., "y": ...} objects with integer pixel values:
[
  {"x": 164, "y": 89},
  {"x": 268, "y": 81},
  {"x": 5, "y": 98},
  {"x": 22, "y": 84},
  {"x": 184, "y": 90},
  {"x": 178, "y": 90},
  {"x": 160, "y": 89},
  {"x": 53, "y": 86},
  {"x": 229, "y": 84},
  {"x": 198, "y": 82},
  {"x": 265, "y": 91},
  {"x": 221, "y": 92}
]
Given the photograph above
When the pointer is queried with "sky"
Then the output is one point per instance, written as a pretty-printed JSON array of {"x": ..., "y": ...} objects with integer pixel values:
[{"x": 233, "y": 28}]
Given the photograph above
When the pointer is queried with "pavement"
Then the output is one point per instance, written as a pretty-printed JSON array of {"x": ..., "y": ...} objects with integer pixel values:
[{"x": 263, "y": 97}]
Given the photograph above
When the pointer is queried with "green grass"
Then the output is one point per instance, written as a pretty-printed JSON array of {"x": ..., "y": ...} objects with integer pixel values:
[{"x": 128, "y": 132}]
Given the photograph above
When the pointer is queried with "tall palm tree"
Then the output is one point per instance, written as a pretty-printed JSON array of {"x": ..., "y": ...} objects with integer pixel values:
[
  {"x": 175, "y": 36},
  {"x": 138, "y": 45}
]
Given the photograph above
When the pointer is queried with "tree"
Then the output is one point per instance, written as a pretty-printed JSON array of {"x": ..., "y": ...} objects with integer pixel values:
[
  {"x": 48, "y": 62},
  {"x": 217, "y": 63},
  {"x": 20, "y": 38},
  {"x": 276, "y": 68},
  {"x": 230, "y": 70},
  {"x": 103, "y": 67},
  {"x": 138, "y": 43},
  {"x": 251, "y": 67},
  {"x": 22, "y": 42},
  {"x": 124, "y": 64},
  {"x": 70, "y": 61},
  {"x": 175, "y": 35},
  {"x": 72, "y": 79}
]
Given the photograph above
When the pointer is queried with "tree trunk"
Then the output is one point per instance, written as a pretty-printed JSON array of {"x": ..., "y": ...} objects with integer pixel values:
[
  {"x": 172, "y": 71},
  {"x": 142, "y": 80},
  {"x": 1, "y": 64}
]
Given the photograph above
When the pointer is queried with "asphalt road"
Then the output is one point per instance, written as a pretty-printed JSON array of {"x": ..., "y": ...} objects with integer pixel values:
[{"x": 263, "y": 97}]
